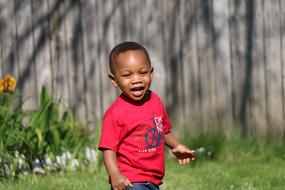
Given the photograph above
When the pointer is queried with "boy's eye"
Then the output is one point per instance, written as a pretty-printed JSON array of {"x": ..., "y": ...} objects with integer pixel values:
[
  {"x": 126, "y": 75},
  {"x": 144, "y": 72}
]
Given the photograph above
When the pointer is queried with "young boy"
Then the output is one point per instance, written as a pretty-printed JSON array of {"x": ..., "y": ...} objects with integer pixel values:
[{"x": 136, "y": 126}]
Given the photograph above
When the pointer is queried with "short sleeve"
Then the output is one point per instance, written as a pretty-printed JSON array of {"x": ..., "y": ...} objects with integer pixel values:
[
  {"x": 110, "y": 133},
  {"x": 166, "y": 121}
]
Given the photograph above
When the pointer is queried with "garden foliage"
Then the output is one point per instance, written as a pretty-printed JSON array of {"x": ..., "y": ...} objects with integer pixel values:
[{"x": 41, "y": 139}]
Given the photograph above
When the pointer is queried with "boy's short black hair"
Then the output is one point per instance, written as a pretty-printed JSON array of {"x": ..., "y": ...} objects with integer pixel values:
[{"x": 123, "y": 47}]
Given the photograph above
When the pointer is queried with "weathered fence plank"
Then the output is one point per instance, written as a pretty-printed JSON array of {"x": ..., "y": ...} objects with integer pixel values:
[
  {"x": 273, "y": 65},
  {"x": 282, "y": 46},
  {"x": 205, "y": 37},
  {"x": 146, "y": 31},
  {"x": 238, "y": 62},
  {"x": 89, "y": 38},
  {"x": 77, "y": 62},
  {"x": 258, "y": 92},
  {"x": 42, "y": 42},
  {"x": 8, "y": 35},
  {"x": 222, "y": 69},
  {"x": 27, "y": 52},
  {"x": 60, "y": 59},
  {"x": 189, "y": 61}
]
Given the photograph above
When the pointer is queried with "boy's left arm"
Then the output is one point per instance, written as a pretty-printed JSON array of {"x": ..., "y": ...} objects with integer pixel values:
[{"x": 183, "y": 154}]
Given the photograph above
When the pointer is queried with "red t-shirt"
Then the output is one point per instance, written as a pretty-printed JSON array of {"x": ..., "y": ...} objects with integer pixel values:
[{"x": 136, "y": 134}]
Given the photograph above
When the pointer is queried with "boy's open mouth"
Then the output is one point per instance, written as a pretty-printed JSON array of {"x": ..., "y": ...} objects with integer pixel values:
[{"x": 137, "y": 91}]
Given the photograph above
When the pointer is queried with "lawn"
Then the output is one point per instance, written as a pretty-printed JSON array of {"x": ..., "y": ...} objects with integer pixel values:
[{"x": 242, "y": 174}]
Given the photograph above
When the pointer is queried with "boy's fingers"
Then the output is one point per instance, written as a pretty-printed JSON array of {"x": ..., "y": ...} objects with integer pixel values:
[
  {"x": 190, "y": 151},
  {"x": 187, "y": 160},
  {"x": 129, "y": 183}
]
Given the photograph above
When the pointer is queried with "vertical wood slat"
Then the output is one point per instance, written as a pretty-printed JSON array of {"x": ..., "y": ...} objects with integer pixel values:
[
  {"x": 40, "y": 52},
  {"x": 78, "y": 70},
  {"x": 83, "y": 60},
  {"x": 104, "y": 35},
  {"x": 108, "y": 12},
  {"x": 97, "y": 77},
  {"x": 282, "y": 46},
  {"x": 259, "y": 106},
  {"x": 172, "y": 60},
  {"x": 154, "y": 47},
  {"x": 7, "y": 33},
  {"x": 186, "y": 22},
  {"x": 273, "y": 64},
  {"x": 61, "y": 59},
  {"x": 205, "y": 57},
  {"x": 165, "y": 47},
  {"x": 27, "y": 55},
  {"x": 89, "y": 39},
  {"x": 237, "y": 47},
  {"x": 180, "y": 65},
  {"x": 69, "y": 62},
  {"x": 189, "y": 61},
  {"x": 67, "y": 55},
  {"x": 222, "y": 68}
]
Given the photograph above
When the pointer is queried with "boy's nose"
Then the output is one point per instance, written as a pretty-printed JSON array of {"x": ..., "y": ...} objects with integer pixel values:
[{"x": 136, "y": 79}]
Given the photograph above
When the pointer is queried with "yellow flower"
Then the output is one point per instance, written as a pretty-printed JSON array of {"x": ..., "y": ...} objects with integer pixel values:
[
  {"x": 1, "y": 86},
  {"x": 9, "y": 83}
]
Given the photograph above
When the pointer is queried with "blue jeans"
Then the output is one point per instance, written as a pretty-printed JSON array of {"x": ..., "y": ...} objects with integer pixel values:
[{"x": 143, "y": 186}]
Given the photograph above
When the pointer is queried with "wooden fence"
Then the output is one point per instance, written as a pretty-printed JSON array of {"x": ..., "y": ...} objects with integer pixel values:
[{"x": 216, "y": 61}]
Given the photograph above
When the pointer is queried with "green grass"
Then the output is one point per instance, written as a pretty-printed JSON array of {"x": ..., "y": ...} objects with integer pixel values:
[
  {"x": 235, "y": 163},
  {"x": 243, "y": 174},
  {"x": 60, "y": 181}
]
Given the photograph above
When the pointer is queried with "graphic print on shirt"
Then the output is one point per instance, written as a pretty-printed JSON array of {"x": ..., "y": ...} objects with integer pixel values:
[{"x": 154, "y": 135}]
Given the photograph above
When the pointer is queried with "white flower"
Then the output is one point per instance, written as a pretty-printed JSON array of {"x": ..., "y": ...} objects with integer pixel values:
[
  {"x": 16, "y": 154},
  {"x": 74, "y": 164},
  {"x": 21, "y": 163},
  {"x": 37, "y": 168},
  {"x": 21, "y": 166},
  {"x": 47, "y": 162},
  {"x": 90, "y": 154},
  {"x": 66, "y": 156},
  {"x": 63, "y": 159},
  {"x": 60, "y": 161},
  {"x": 200, "y": 150}
]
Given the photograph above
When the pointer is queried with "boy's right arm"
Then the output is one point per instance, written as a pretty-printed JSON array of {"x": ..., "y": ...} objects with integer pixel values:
[{"x": 118, "y": 181}]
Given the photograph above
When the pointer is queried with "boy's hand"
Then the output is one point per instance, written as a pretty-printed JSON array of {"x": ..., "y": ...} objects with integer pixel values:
[
  {"x": 120, "y": 182},
  {"x": 183, "y": 154}
]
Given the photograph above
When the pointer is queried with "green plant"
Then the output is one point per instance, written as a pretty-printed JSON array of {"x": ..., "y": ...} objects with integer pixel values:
[
  {"x": 11, "y": 127},
  {"x": 48, "y": 136},
  {"x": 49, "y": 132}
]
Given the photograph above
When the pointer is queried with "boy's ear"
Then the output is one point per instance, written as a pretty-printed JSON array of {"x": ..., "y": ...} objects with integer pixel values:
[
  {"x": 113, "y": 80},
  {"x": 151, "y": 71}
]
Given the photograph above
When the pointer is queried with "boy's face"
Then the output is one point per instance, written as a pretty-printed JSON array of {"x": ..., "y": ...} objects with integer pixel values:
[{"x": 132, "y": 74}]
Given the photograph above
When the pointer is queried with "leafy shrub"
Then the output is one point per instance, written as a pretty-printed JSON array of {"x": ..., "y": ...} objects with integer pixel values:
[{"x": 46, "y": 140}]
